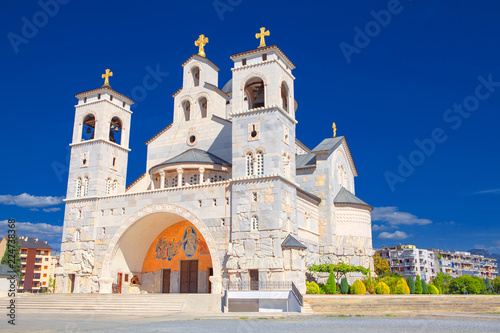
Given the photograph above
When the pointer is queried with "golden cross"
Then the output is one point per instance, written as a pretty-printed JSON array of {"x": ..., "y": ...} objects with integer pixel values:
[
  {"x": 262, "y": 34},
  {"x": 334, "y": 130},
  {"x": 201, "y": 42},
  {"x": 106, "y": 77}
]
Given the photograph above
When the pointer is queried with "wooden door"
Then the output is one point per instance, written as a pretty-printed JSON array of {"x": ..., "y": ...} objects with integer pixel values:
[
  {"x": 189, "y": 276},
  {"x": 166, "y": 281},
  {"x": 254, "y": 279},
  {"x": 119, "y": 283}
]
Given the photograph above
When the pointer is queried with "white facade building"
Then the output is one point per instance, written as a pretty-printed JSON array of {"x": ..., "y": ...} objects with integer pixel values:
[
  {"x": 229, "y": 194},
  {"x": 407, "y": 260}
]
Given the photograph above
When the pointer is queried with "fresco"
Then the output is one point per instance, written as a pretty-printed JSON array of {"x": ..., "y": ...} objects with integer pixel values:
[{"x": 181, "y": 241}]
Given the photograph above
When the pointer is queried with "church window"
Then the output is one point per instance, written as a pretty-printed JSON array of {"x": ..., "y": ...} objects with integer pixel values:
[
  {"x": 99, "y": 96},
  {"x": 341, "y": 175},
  {"x": 108, "y": 186},
  {"x": 284, "y": 96},
  {"x": 264, "y": 57},
  {"x": 126, "y": 278},
  {"x": 203, "y": 107},
  {"x": 123, "y": 211},
  {"x": 223, "y": 221},
  {"x": 78, "y": 187},
  {"x": 115, "y": 186},
  {"x": 85, "y": 100},
  {"x": 199, "y": 203},
  {"x": 88, "y": 129},
  {"x": 102, "y": 212},
  {"x": 86, "y": 186},
  {"x": 186, "y": 106},
  {"x": 113, "y": 162},
  {"x": 227, "y": 201},
  {"x": 244, "y": 62},
  {"x": 254, "y": 197},
  {"x": 260, "y": 163},
  {"x": 286, "y": 134},
  {"x": 174, "y": 181},
  {"x": 249, "y": 160},
  {"x": 123, "y": 104},
  {"x": 194, "y": 179},
  {"x": 215, "y": 202},
  {"x": 196, "y": 76},
  {"x": 85, "y": 159},
  {"x": 115, "y": 130},
  {"x": 77, "y": 235},
  {"x": 254, "y": 90},
  {"x": 104, "y": 230},
  {"x": 254, "y": 223},
  {"x": 165, "y": 185},
  {"x": 111, "y": 97}
]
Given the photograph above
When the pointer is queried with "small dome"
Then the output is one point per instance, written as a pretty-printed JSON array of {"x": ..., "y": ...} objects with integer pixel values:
[{"x": 228, "y": 87}]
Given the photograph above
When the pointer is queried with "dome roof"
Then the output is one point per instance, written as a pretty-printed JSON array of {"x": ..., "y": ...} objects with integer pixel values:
[{"x": 228, "y": 87}]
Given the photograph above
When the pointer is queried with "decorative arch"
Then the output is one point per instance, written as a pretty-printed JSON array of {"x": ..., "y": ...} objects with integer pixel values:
[
  {"x": 255, "y": 92},
  {"x": 88, "y": 126},
  {"x": 162, "y": 208},
  {"x": 115, "y": 129},
  {"x": 285, "y": 96},
  {"x": 195, "y": 71}
]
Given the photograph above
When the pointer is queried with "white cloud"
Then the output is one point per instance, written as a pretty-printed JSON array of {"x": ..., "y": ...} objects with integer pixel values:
[
  {"x": 395, "y": 235},
  {"x": 28, "y": 200},
  {"x": 44, "y": 231},
  {"x": 50, "y": 210},
  {"x": 494, "y": 191},
  {"x": 378, "y": 227},
  {"x": 391, "y": 216}
]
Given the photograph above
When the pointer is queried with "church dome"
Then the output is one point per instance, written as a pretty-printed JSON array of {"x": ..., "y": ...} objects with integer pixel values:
[{"x": 228, "y": 87}]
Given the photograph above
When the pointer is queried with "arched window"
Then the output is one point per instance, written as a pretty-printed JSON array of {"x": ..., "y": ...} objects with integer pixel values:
[
  {"x": 115, "y": 186},
  {"x": 284, "y": 96},
  {"x": 194, "y": 179},
  {"x": 260, "y": 163},
  {"x": 78, "y": 187},
  {"x": 174, "y": 181},
  {"x": 203, "y": 107},
  {"x": 88, "y": 129},
  {"x": 286, "y": 166},
  {"x": 77, "y": 233},
  {"x": 254, "y": 223},
  {"x": 186, "y": 106},
  {"x": 86, "y": 186},
  {"x": 108, "y": 186},
  {"x": 341, "y": 175},
  {"x": 115, "y": 130},
  {"x": 195, "y": 71},
  {"x": 249, "y": 160},
  {"x": 254, "y": 93}
]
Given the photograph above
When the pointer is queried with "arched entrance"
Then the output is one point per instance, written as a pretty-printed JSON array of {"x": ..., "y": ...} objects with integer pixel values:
[{"x": 129, "y": 247}]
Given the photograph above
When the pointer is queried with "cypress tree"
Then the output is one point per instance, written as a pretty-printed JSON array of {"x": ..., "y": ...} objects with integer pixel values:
[
  {"x": 12, "y": 254},
  {"x": 331, "y": 285},
  {"x": 344, "y": 286},
  {"x": 411, "y": 284},
  {"x": 424, "y": 287},
  {"x": 418, "y": 286}
]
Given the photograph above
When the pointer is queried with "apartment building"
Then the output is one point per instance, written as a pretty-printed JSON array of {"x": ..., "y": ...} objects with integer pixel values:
[
  {"x": 37, "y": 265},
  {"x": 456, "y": 263},
  {"x": 407, "y": 260}
]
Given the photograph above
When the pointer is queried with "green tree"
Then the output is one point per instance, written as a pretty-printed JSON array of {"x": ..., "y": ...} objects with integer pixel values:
[
  {"x": 340, "y": 270},
  {"x": 496, "y": 285},
  {"x": 424, "y": 287},
  {"x": 418, "y": 286},
  {"x": 402, "y": 287},
  {"x": 411, "y": 284},
  {"x": 467, "y": 284},
  {"x": 331, "y": 285},
  {"x": 381, "y": 265},
  {"x": 441, "y": 282},
  {"x": 344, "y": 286},
  {"x": 488, "y": 286},
  {"x": 12, "y": 255}
]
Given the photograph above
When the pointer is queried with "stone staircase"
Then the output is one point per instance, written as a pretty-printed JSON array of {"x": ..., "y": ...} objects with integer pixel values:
[
  {"x": 123, "y": 304},
  {"x": 401, "y": 304}
]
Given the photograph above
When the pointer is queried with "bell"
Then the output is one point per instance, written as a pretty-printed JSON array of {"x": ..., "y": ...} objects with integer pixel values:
[
  {"x": 116, "y": 129},
  {"x": 259, "y": 101},
  {"x": 89, "y": 130},
  {"x": 111, "y": 136}
]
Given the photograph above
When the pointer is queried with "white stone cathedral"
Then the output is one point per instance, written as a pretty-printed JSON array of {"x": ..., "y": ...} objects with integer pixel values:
[{"x": 229, "y": 196}]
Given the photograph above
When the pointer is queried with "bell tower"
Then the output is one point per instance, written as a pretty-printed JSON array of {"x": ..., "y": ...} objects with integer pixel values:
[{"x": 100, "y": 145}]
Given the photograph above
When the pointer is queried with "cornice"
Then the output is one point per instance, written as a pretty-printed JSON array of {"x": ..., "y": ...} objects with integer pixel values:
[
  {"x": 264, "y": 109},
  {"x": 103, "y": 100},
  {"x": 95, "y": 141}
]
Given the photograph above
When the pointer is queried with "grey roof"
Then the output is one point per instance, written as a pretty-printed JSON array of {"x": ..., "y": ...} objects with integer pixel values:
[
  {"x": 34, "y": 243},
  {"x": 5, "y": 270},
  {"x": 329, "y": 144},
  {"x": 305, "y": 161},
  {"x": 195, "y": 155},
  {"x": 292, "y": 242},
  {"x": 346, "y": 197},
  {"x": 228, "y": 87}
]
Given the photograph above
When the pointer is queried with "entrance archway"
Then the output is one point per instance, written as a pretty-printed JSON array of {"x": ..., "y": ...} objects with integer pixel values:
[{"x": 128, "y": 248}]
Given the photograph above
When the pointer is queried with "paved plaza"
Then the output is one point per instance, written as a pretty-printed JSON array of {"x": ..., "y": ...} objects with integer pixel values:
[{"x": 253, "y": 322}]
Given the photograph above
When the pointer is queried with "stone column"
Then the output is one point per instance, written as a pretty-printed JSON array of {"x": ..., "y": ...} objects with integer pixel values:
[
  {"x": 202, "y": 175},
  {"x": 105, "y": 286},
  {"x": 162, "y": 179},
  {"x": 179, "y": 177},
  {"x": 152, "y": 183},
  {"x": 254, "y": 161}
]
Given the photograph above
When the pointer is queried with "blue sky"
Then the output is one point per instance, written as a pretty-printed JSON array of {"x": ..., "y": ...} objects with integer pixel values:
[{"x": 411, "y": 84}]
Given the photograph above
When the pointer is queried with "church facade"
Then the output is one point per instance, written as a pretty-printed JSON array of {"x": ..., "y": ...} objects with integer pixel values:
[{"x": 229, "y": 196}]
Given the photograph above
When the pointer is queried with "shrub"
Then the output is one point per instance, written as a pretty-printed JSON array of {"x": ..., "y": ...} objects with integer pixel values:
[
  {"x": 411, "y": 284},
  {"x": 382, "y": 289},
  {"x": 424, "y": 287},
  {"x": 344, "y": 286},
  {"x": 431, "y": 289},
  {"x": 331, "y": 285},
  {"x": 312, "y": 288},
  {"x": 369, "y": 285},
  {"x": 391, "y": 282},
  {"x": 402, "y": 288},
  {"x": 357, "y": 288},
  {"x": 418, "y": 286},
  {"x": 322, "y": 289},
  {"x": 496, "y": 285},
  {"x": 441, "y": 281},
  {"x": 473, "y": 285},
  {"x": 488, "y": 286}
]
